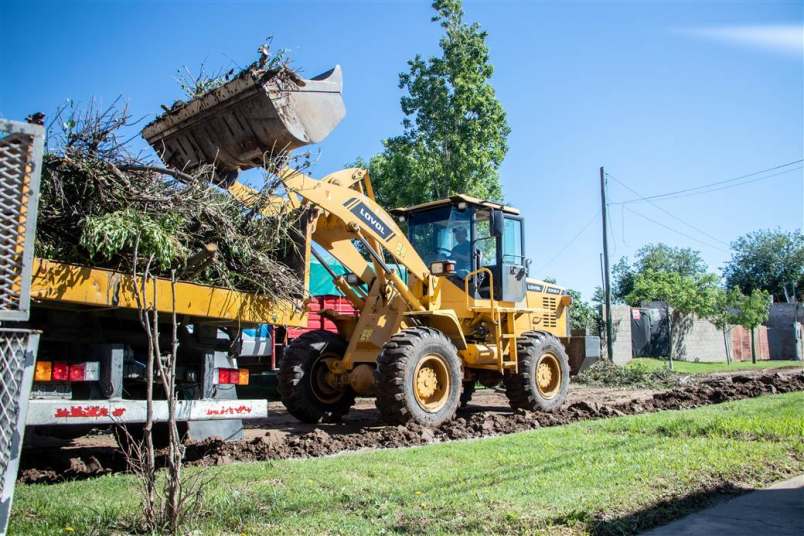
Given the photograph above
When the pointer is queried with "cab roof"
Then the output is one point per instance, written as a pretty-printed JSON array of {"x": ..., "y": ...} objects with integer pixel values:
[{"x": 468, "y": 199}]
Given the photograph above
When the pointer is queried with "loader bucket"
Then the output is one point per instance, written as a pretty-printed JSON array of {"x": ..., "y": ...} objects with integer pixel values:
[{"x": 248, "y": 120}]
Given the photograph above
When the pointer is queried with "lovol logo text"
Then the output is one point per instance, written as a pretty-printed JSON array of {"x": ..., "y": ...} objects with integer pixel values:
[{"x": 372, "y": 220}]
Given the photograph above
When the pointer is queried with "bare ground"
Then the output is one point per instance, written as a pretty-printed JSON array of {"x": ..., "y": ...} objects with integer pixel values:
[{"x": 281, "y": 436}]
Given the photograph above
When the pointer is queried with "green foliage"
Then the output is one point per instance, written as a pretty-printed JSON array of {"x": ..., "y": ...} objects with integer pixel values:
[
  {"x": 753, "y": 309},
  {"x": 455, "y": 129},
  {"x": 657, "y": 258},
  {"x": 724, "y": 311},
  {"x": 114, "y": 233},
  {"x": 582, "y": 315},
  {"x": 767, "y": 260},
  {"x": 607, "y": 374},
  {"x": 684, "y": 293}
]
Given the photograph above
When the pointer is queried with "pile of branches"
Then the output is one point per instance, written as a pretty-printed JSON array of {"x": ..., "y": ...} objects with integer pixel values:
[{"x": 102, "y": 206}]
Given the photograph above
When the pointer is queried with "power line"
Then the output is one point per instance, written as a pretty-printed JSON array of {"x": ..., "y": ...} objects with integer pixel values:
[
  {"x": 689, "y": 225},
  {"x": 719, "y": 185},
  {"x": 568, "y": 244},
  {"x": 685, "y": 235}
]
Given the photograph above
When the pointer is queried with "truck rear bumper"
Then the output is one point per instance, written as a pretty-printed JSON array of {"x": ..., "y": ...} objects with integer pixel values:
[{"x": 47, "y": 412}]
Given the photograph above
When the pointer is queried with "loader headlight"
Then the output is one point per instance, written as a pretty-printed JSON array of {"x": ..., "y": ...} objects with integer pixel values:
[{"x": 442, "y": 268}]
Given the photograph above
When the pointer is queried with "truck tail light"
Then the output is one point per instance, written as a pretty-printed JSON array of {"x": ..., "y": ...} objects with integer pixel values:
[
  {"x": 232, "y": 376},
  {"x": 59, "y": 371},
  {"x": 43, "y": 371}
]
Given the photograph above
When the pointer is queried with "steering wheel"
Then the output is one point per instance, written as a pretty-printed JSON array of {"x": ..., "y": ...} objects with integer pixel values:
[{"x": 444, "y": 251}]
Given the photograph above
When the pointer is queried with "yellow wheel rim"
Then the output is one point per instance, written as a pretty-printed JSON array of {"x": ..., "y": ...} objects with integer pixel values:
[
  {"x": 548, "y": 375},
  {"x": 323, "y": 390},
  {"x": 431, "y": 383}
]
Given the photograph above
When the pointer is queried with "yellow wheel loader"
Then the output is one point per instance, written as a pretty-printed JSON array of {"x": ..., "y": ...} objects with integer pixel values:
[{"x": 442, "y": 288}]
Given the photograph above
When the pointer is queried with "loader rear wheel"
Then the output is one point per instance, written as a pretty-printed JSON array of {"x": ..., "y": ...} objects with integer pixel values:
[
  {"x": 418, "y": 377},
  {"x": 303, "y": 385},
  {"x": 543, "y": 378}
]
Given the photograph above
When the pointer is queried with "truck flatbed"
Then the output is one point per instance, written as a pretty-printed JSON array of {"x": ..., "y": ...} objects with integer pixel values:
[{"x": 97, "y": 287}]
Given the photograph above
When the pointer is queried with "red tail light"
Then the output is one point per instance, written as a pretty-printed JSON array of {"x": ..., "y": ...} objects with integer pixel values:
[
  {"x": 61, "y": 372},
  {"x": 77, "y": 372},
  {"x": 232, "y": 376}
]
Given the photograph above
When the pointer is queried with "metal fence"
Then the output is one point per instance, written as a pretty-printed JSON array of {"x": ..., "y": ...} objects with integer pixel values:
[
  {"x": 17, "y": 357},
  {"x": 21, "y": 147}
]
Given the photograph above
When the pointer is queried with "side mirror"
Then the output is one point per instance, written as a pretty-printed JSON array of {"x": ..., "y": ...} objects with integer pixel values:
[{"x": 497, "y": 222}]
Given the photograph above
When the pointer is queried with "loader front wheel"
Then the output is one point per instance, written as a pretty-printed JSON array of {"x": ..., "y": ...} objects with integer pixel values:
[
  {"x": 303, "y": 385},
  {"x": 418, "y": 378},
  {"x": 542, "y": 382}
]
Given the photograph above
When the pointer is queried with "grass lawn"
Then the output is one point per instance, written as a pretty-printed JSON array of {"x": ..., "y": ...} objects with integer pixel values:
[
  {"x": 688, "y": 367},
  {"x": 607, "y": 476}
]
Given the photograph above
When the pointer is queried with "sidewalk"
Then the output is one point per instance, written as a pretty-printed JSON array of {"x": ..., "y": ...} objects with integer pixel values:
[{"x": 777, "y": 510}]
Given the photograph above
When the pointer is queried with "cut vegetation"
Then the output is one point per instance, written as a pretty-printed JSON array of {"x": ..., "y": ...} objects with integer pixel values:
[{"x": 612, "y": 476}]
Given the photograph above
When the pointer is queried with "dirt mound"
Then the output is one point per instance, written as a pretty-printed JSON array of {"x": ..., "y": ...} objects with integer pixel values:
[
  {"x": 341, "y": 438},
  {"x": 321, "y": 443}
]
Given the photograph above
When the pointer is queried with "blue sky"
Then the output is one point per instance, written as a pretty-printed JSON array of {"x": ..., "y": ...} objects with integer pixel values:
[{"x": 666, "y": 95}]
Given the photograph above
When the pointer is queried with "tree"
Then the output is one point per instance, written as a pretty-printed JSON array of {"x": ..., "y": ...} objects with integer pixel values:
[
  {"x": 724, "y": 313},
  {"x": 686, "y": 294},
  {"x": 581, "y": 314},
  {"x": 455, "y": 129},
  {"x": 752, "y": 310},
  {"x": 769, "y": 260},
  {"x": 659, "y": 258}
]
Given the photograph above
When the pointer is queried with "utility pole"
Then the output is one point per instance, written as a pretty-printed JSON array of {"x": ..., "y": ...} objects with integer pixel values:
[{"x": 607, "y": 284}]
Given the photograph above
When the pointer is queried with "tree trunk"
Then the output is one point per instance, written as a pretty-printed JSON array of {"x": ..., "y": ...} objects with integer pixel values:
[
  {"x": 726, "y": 344},
  {"x": 753, "y": 347}
]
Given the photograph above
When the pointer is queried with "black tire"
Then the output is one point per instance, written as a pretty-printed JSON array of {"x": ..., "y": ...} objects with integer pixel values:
[
  {"x": 522, "y": 388},
  {"x": 398, "y": 364},
  {"x": 466, "y": 394},
  {"x": 304, "y": 397}
]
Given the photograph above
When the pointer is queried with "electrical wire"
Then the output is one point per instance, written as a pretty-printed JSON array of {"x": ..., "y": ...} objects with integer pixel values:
[
  {"x": 685, "y": 235},
  {"x": 568, "y": 244},
  {"x": 662, "y": 209},
  {"x": 719, "y": 185}
]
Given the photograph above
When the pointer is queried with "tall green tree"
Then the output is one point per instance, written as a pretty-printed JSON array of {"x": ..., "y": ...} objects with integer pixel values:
[
  {"x": 769, "y": 260},
  {"x": 455, "y": 129},
  {"x": 659, "y": 258}
]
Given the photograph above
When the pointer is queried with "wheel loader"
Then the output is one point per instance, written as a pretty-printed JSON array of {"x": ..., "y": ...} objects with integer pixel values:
[{"x": 442, "y": 288}]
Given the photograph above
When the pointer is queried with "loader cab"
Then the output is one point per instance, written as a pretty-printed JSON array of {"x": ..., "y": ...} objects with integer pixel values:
[{"x": 455, "y": 237}]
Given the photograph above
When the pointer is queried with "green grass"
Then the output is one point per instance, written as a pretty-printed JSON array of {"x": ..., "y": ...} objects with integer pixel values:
[
  {"x": 605, "y": 476},
  {"x": 689, "y": 367}
]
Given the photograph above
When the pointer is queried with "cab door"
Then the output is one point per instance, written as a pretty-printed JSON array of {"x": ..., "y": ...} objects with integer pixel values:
[{"x": 514, "y": 272}]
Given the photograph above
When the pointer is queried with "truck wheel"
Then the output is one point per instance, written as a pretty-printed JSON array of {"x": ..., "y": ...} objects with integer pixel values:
[
  {"x": 302, "y": 378},
  {"x": 418, "y": 377},
  {"x": 543, "y": 378}
]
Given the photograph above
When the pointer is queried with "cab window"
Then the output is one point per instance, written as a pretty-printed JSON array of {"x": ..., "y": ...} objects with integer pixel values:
[
  {"x": 485, "y": 242},
  {"x": 442, "y": 234},
  {"x": 512, "y": 242}
]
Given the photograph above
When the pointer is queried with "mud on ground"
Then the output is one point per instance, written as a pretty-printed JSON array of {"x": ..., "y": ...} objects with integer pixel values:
[{"x": 281, "y": 436}]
